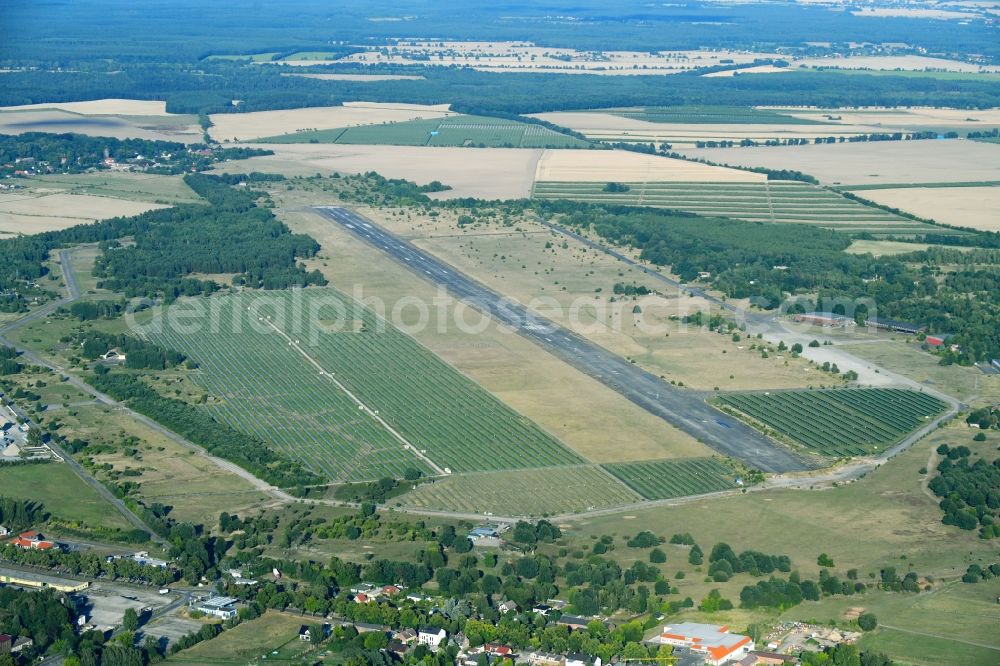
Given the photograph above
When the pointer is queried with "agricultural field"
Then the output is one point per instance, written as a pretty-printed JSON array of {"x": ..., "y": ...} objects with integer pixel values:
[
  {"x": 115, "y": 118},
  {"x": 708, "y": 115},
  {"x": 256, "y": 124},
  {"x": 495, "y": 173},
  {"x": 840, "y": 423},
  {"x": 778, "y": 202},
  {"x": 38, "y": 211},
  {"x": 666, "y": 479},
  {"x": 523, "y": 493},
  {"x": 684, "y": 127},
  {"x": 296, "y": 396},
  {"x": 475, "y": 131},
  {"x": 879, "y": 162},
  {"x": 622, "y": 166},
  {"x": 974, "y": 207}
]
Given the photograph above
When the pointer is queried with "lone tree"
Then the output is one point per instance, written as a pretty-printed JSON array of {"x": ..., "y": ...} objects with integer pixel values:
[
  {"x": 130, "y": 621},
  {"x": 867, "y": 621}
]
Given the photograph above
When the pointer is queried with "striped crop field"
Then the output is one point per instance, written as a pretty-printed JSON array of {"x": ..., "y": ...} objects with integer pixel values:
[
  {"x": 353, "y": 400},
  {"x": 677, "y": 477},
  {"x": 767, "y": 201},
  {"x": 532, "y": 492},
  {"x": 839, "y": 422},
  {"x": 476, "y": 131}
]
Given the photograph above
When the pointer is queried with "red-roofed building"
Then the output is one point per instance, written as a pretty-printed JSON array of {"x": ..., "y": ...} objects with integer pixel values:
[
  {"x": 716, "y": 643},
  {"x": 32, "y": 540},
  {"x": 362, "y": 598},
  {"x": 5, "y": 643},
  {"x": 498, "y": 650}
]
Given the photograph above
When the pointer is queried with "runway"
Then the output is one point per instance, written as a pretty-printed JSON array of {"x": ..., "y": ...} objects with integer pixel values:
[{"x": 684, "y": 409}]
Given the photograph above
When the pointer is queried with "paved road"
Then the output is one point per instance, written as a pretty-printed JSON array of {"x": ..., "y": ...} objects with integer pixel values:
[{"x": 686, "y": 410}]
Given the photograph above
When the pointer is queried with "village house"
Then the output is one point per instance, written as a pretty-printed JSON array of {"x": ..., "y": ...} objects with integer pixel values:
[
  {"x": 536, "y": 658},
  {"x": 573, "y": 621},
  {"x": 32, "y": 540},
  {"x": 405, "y": 636},
  {"x": 431, "y": 637},
  {"x": 507, "y": 607}
]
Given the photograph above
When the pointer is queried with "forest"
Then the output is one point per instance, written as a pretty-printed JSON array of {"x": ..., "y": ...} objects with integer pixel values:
[
  {"x": 970, "y": 491},
  {"x": 231, "y": 235},
  {"x": 211, "y": 87},
  {"x": 40, "y": 152}
]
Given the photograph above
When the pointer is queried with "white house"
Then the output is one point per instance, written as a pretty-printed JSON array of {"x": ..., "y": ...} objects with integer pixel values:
[
  {"x": 431, "y": 637},
  {"x": 507, "y": 607}
]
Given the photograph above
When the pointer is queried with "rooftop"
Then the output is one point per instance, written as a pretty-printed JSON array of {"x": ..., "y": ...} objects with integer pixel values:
[
  {"x": 704, "y": 635},
  {"x": 218, "y": 602}
]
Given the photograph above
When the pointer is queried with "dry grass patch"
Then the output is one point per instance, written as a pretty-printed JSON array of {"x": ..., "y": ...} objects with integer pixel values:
[
  {"x": 257, "y": 124},
  {"x": 196, "y": 488},
  {"x": 623, "y": 166}
]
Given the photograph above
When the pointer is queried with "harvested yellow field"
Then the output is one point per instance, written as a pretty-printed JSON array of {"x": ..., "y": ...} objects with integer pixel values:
[
  {"x": 594, "y": 166},
  {"x": 488, "y": 173},
  {"x": 47, "y": 212},
  {"x": 889, "y": 119},
  {"x": 100, "y": 107},
  {"x": 907, "y": 62},
  {"x": 157, "y": 127},
  {"x": 612, "y": 127},
  {"x": 892, "y": 162},
  {"x": 975, "y": 207},
  {"x": 257, "y": 124}
]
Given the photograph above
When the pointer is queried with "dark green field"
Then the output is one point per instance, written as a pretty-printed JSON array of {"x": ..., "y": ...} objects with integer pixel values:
[
  {"x": 839, "y": 422},
  {"x": 664, "y": 479}
]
